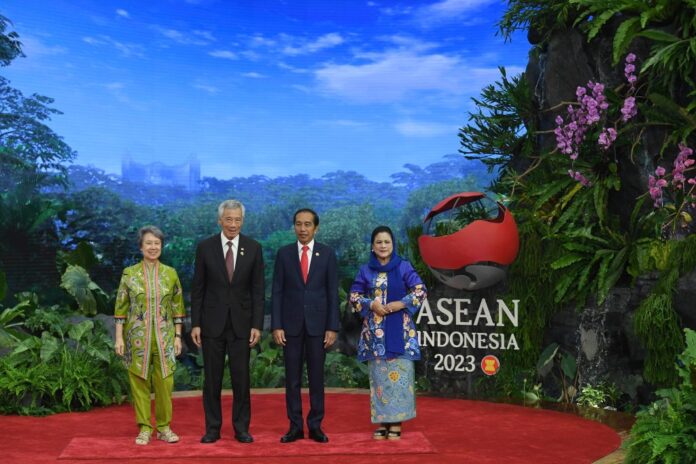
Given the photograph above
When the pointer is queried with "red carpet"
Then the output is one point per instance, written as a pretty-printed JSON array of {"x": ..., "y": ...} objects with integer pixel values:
[{"x": 445, "y": 431}]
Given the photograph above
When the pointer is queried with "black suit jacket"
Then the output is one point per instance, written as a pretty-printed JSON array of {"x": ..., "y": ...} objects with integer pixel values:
[
  {"x": 214, "y": 299},
  {"x": 315, "y": 303}
]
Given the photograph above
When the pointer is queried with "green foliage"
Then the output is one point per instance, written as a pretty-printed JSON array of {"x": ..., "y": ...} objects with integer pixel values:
[
  {"x": 566, "y": 370},
  {"x": 656, "y": 322},
  {"x": 10, "y": 336},
  {"x": 347, "y": 230},
  {"x": 598, "y": 396},
  {"x": 503, "y": 124},
  {"x": 10, "y": 46},
  {"x": 29, "y": 149},
  {"x": 89, "y": 296},
  {"x": 345, "y": 371},
  {"x": 83, "y": 256},
  {"x": 669, "y": 24},
  {"x": 665, "y": 431},
  {"x": 410, "y": 251},
  {"x": 543, "y": 17},
  {"x": 266, "y": 368},
  {"x": 60, "y": 367}
]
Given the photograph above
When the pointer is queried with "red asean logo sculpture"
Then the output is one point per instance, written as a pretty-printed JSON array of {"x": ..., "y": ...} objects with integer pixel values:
[{"x": 468, "y": 240}]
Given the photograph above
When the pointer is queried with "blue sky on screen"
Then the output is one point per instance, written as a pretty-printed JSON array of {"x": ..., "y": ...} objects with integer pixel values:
[{"x": 264, "y": 87}]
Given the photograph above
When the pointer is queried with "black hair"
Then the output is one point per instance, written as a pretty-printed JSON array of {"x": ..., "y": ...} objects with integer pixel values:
[
  {"x": 307, "y": 210},
  {"x": 379, "y": 230}
]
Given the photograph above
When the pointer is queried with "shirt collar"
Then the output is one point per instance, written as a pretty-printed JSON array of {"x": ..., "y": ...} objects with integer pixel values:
[
  {"x": 235, "y": 241},
  {"x": 310, "y": 245}
]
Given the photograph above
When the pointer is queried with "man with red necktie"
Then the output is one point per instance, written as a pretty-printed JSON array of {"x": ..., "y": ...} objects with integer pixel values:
[{"x": 305, "y": 320}]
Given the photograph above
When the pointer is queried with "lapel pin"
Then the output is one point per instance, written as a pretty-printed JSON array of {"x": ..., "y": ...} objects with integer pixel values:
[{"x": 316, "y": 254}]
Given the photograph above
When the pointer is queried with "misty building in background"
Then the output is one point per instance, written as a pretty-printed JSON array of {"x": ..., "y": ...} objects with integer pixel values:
[{"x": 186, "y": 175}]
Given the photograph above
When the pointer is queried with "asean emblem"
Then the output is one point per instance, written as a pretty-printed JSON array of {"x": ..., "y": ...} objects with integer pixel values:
[
  {"x": 490, "y": 365},
  {"x": 468, "y": 241}
]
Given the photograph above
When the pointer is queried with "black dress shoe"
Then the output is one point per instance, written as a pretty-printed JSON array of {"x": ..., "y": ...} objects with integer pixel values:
[
  {"x": 292, "y": 435},
  {"x": 243, "y": 437},
  {"x": 210, "y": 437},
  {"x": 318, "y": 435}
]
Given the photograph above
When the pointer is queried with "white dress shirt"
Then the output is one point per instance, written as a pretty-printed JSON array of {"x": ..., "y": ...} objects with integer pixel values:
[
  {"x": 309, "y": 253},
  {"x": 235, "y": 247}
]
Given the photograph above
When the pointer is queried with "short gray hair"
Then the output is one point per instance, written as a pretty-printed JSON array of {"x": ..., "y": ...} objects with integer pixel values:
[
  {"x": 230, "y": 204},
  {"x": 154, "y": 230}
]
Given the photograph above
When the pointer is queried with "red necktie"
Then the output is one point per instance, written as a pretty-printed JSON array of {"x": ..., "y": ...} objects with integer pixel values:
[
  {"x": 229, "y": 261},
  {"x": 304, "y": 263}
]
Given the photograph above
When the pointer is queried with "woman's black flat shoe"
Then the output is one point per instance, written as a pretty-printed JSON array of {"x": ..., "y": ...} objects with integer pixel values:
[
  {"x": 380, "y": 433},
  {"x": 394, "y": 435}
]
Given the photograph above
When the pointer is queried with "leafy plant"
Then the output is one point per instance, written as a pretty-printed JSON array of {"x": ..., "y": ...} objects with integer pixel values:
[
  {"x": 67, "y": 367},
  {"x": 266, "y": 367},
  {"x": 503, "y": 125},
  {"x": 89, "y": 295},
  {"x": 598, "y": 396},
  {"x": 345, "y": 371},
  {"x": 566, "y": 370},
  {"x": 665, "y": 431}
]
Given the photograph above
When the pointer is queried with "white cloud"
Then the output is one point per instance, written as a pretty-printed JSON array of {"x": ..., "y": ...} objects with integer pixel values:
[
  {"x": 396, "y": 11},
  {"x": 325, "y": 41},
  {"x": 392, "y": 77},
  {"x": 448, "y": 10},
  {"x": 225, "y": 54},
  {"x": 183, "y": 38},
  {"x": 343, "y": 123},
  {"x": 211, "y": 89},
  {"x": 114, "y": 85},
  {"x": 401, "y": 73},
  {"x": 254, "y": 75},
  {"x": 122, "y": 13},
  {"x": 291, "y": 68},
  {"x": 33, "y": 48},
  {"x": 260, "y": 41},
  {"x": 127, "y": 49},
  {"x": 207, "y": 35},
  {"x": 412, "y": 128}
]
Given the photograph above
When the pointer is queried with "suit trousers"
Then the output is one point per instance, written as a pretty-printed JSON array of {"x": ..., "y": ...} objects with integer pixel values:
[
  {"x": 237, "y": 351},
  {"x": 298, "y": 349}
]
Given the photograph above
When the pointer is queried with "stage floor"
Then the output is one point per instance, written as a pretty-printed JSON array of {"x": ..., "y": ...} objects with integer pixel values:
[{"x": 445, "y": 431}]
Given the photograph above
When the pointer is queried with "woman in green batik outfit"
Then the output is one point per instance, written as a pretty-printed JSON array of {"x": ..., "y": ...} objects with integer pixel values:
[{"x": 150, "y": 312}]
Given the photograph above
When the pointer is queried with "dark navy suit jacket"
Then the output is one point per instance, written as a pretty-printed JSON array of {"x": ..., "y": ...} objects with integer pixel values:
[{"x": 313, "y": 305}]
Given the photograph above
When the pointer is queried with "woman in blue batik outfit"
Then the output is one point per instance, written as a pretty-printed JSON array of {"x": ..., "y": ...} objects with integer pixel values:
[{"x": 388, "y": 292}]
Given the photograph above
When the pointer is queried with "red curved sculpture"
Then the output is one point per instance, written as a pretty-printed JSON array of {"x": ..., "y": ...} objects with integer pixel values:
[{"x": 484, "y": 241}]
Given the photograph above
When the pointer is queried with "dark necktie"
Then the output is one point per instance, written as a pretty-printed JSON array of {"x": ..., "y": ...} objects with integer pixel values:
[
  {"x": 229, "y": 261},
  {"x": 304, "y": 263}
]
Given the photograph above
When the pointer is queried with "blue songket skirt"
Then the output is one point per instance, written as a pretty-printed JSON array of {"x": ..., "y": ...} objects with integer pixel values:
[{"x": 392, "y": 390}]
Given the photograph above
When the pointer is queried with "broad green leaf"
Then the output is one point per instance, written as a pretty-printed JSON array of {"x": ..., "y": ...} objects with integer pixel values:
[
  {"x": 568, "y": 366},
  {"x": 77, "y": 331},
  {"x": 76, "y": 282},
  {"x": 83, "y": 256},
  {"x": 49, "y": 346},
  {"x": 547, "y": 356},
  {"x": 658, "y": 35}
]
